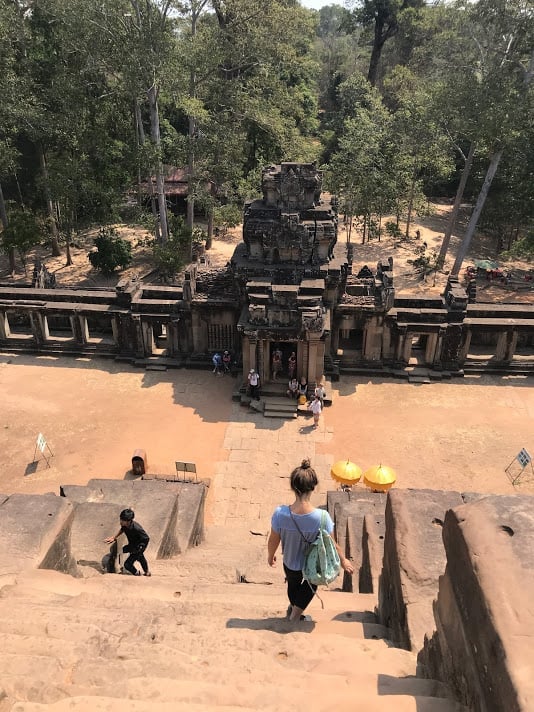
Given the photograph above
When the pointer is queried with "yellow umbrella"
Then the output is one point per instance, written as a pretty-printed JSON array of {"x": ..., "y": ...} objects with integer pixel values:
[
  {"x": 379, "y": 478},
  {"x": 346, "y": 472}
]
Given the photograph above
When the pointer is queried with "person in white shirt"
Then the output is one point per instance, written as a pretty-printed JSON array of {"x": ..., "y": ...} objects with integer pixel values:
[
  {"x": 320, "y": 392},
  {"x": 293, "y": 388},
  {"x": 254, "y": 384},
  {"x": 316, "y": 408}
]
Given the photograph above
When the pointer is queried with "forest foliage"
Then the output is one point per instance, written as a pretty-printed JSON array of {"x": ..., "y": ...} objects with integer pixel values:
[{"x": 395, "y": 100}]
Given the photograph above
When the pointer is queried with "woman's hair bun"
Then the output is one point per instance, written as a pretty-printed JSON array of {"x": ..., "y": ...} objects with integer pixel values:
[{"x": 305, "y": 464}]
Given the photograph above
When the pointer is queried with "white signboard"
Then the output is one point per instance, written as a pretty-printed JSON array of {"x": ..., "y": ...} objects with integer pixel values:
[
  {"x": 523, "y": 458},
  {"x": 41, "y": 442}
]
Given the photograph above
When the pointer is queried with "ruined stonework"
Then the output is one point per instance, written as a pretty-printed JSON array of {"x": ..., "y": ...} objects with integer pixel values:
[{"x": 289, "y": 287}]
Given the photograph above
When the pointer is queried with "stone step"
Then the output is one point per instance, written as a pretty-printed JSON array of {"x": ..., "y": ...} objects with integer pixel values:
[
  {"x": 344, "y": 700},
  {"x": 279, "y": 414}
]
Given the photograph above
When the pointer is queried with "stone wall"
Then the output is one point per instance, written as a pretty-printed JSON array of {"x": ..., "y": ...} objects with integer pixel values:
[{"x": 484, "y": 613}]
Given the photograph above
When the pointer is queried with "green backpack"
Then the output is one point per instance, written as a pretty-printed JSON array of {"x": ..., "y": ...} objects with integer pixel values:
[{"x": 321, "y": 560}]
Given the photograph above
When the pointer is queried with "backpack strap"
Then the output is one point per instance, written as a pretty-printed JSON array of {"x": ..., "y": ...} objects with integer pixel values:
[{"x": 299, "y": 529}]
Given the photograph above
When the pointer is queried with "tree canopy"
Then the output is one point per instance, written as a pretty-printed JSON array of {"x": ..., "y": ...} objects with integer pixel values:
[{"x": 392, "y": 97}]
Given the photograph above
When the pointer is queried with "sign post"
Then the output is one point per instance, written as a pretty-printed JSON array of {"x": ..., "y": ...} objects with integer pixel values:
[
  {"x": 521, "y": 461},
  {"x": 42, "y": 445},
  {"x": 186, "y": 467}
]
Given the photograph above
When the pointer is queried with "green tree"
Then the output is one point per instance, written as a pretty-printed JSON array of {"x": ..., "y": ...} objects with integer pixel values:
[
  {"x": 503, "y": 35},
  {"x": 358, "y": 172},
  {"x": 111, "y": 251},
  {"x": 382, "y": 18},
  {"x": 23, "y": 233}
]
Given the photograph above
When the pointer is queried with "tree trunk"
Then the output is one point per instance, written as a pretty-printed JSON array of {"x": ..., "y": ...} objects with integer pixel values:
[
  {"x": 141, "y": 138},
  {"x": 68, "y": 233},
  {"x": 56, "y": 251},
  {"x": 410, "y": 206},
  {"x": 209, "y": 239},
  {"x": 372, "y": 74},
  {"x": 156, "y": 140},
  {"x": 5, "y": 223},
  {"x": 456, "y": 207},
  {"x": 466, "y": 241}
]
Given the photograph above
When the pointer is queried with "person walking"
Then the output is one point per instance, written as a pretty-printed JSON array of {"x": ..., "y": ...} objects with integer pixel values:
[
  {"x": 291, "y": 526},
  {"x": 217, "y": 364},
  {"x": 316, "y": 408},
  {"x": 137, "y": 542}
]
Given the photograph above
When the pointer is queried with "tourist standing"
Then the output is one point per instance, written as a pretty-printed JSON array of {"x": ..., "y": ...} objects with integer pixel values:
[
  {"x": 217, "y": 364},
  {"x": 137, "y": 542},
  {"x": 291, "y": 526},
  {"x": 320, "y": 392},
  {"x": 226, "y": 360},
  {"x": 316, "y": 408},
  {"x": 254, "y": 384},
  {"x": 277, "y": 364},
  {"x": 292, "y": 365}
]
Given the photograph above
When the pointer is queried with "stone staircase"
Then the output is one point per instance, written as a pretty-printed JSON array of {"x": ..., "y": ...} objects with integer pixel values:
[{"x": 206, "y": 632}]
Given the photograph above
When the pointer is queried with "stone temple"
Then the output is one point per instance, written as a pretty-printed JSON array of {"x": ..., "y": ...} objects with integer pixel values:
[{"x": 290, "y": 287}]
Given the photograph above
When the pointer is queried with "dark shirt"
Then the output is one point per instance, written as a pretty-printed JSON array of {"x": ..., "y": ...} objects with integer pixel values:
[{"x": 136, "y": 535}]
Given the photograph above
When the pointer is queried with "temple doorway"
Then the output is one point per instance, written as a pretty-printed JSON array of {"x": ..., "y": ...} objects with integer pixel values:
[
  {"x": 417, "y": 355},
  {"x": 284, "y": 349}
]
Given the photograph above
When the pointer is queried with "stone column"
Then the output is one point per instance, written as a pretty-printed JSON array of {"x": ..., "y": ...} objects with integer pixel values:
[
  {"x": 252, "y": 344},
  {"x": 386, "y": 342},
  {"x": 264, "y": 361},
  {"x": 312, "y": 361},
  {"x": 245, "y": 350},
  {"x": 196, "y": 329},
  {"x": 431, "y": 346},
  {"x": 148, "y": 338},
  {"x": 502, "y": 342},
  {"x": 401, "y": 336},
  {"x": 466, "y": 346},
  {"x": 335, "y": 336},
  {"x": 302, "y": 359},
  {"x": 115, "y": 330},
  {"x": 511, "y": 345},
  {"x": 372, "y": 342},
  {"x": 407, "y": 350},
  {"x": 172, "y": 338},
  {"x": 80, "y": 330},
  {"x": 319, "y": 368},
  {"x": 39, "y": 324},
  {"x": 5, "y": 331}
]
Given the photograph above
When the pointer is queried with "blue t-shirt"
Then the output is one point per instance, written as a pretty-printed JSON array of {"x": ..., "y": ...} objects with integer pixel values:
[{"x": 293, "y": 545}]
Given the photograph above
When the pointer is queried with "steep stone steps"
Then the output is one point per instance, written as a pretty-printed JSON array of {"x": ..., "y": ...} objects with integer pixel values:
[{"x": 118, "y": 642}]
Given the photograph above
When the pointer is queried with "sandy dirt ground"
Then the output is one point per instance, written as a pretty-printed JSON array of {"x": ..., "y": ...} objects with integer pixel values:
[{"x": 450, "y": 435}]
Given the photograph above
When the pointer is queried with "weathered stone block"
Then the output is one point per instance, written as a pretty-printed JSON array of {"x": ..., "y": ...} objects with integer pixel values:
[{"x": 484, "y": 616}]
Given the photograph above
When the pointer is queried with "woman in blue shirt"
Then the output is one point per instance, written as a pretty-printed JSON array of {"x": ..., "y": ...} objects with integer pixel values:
[{"x": 294, "y": 526}]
